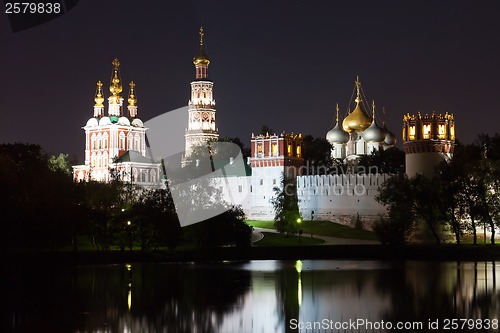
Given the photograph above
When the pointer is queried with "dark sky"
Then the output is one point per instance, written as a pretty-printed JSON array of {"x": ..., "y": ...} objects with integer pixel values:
[{"x": 280, "y": 63}]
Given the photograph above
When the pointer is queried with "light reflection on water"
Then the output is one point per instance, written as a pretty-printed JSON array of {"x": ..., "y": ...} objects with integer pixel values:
[{"x": 254, "y": 296}]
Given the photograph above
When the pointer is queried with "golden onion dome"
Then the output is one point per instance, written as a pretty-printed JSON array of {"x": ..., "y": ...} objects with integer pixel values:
[
  {"x": 357, "y": 120},
  {"x": 115, "y": 88},
  {"x": 99, "y": 99},
  {"x": 132, "y": 100},
  {"x": 201, "y": 57}
]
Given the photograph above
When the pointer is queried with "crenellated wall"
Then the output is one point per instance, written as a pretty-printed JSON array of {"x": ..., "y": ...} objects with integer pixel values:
[{"x": 337, "y": 198}]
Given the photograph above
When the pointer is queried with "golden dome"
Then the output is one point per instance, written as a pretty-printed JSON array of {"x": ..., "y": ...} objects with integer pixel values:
[
  {"x": 132, "y": 100},
  {"x": 357, "y": 120},
  {"x": 201, "y": 57},
  {"x": 98, "y": 97},
  {"x": 115, "y": 88}
]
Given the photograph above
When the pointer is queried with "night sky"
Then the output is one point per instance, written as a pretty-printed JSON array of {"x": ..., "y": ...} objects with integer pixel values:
[{"x": 280, "y": 63}]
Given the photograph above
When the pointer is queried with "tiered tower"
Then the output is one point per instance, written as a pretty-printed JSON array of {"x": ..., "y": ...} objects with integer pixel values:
[
  {"x": 428, "y": 140},
  {"x": 201, "y": 123},
  {"x": 282, "y": 152},
  {"x": 109, "y": 137}
]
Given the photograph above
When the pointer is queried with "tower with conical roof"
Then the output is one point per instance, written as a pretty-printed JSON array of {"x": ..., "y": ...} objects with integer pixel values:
[{"x": 201, "y": 107}]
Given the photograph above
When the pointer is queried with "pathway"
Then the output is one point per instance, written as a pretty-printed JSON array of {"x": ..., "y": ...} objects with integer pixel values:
[{"x": 257, "y": 236}]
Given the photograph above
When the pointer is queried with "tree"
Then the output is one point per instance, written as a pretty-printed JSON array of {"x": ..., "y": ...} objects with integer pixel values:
[
  {"x": 391, "y": 160},
  {"x": 226, "y": 229},
  {"x": 286, "y": 207},
  {"x": 265, "y": 130},
  {"x": 317, "y": 155},
  {"x": 60, "y": 163},
  {"x": 397, "y": 194}
]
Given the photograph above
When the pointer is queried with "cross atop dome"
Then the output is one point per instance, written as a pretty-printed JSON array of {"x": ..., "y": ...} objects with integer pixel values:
[{"x": 201, "y": 60}]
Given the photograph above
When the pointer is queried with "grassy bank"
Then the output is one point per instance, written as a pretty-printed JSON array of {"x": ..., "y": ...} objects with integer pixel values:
[
  {"x": 273, "y": 239},
  {"x": 323, "y": 228}
]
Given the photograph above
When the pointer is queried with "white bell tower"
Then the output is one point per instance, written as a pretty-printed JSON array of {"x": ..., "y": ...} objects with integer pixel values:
[{"x": 201, "y": 123}]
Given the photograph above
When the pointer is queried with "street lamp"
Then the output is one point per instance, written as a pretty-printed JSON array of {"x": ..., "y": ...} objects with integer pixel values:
[
  {"x": 129, "y": 224},
  {"x": 312, "y": 218},
  {"x": 300, "y": 230}
]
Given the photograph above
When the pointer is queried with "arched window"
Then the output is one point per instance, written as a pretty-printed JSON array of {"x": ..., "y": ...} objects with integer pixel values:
[
  {"x": 121, "y": 144},
  {"x": 130, "y": 140},
  {"x": 137, "y": 142},
  {"x": 93, "y": 144},
  {"x": 105, "y": 141}
]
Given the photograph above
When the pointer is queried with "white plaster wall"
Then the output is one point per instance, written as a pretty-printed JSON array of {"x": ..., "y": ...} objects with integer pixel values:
[{"x": 338, "y": 198}]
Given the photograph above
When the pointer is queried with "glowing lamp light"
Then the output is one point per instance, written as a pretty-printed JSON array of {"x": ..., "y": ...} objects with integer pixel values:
[{"x": 299, "y": 220}]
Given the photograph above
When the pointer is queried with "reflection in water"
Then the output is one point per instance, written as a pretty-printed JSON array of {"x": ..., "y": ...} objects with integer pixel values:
[{"x": 255, "y": 296}]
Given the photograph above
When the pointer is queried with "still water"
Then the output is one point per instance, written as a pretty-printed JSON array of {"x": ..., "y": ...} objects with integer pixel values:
[{"x": 255, "y": 296}]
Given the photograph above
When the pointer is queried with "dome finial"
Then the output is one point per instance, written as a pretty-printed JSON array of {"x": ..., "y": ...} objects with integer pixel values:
[
  {"x": 98, "y": 95},
  {"x": 358, "y": 90},
  {"x": 373, "y": 109},
  {"x": 201, "y": 57},
  {"x": 337, "y": 109},
  {"x": 201, "y": 35},
  {"x": 132, "y": 100},
  {"x": 115, "y": 88}
]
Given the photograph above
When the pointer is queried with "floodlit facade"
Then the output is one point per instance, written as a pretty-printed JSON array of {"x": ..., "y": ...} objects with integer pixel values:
[
  {"x": 115, "y": 142},
  {"x": 428, "y": 140}
]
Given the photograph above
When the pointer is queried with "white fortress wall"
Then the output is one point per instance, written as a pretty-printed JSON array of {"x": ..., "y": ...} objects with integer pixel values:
[
  {"x": 337, "y": 198},
  {"x": 341, "y": 198}
]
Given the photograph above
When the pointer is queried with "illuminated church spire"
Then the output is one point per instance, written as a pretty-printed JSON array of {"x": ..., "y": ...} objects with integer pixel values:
[
  {"x": 115, "y": 88},
  {"x": 201, "y": 124},
  {"x": 98, "y": 107},
  {"x": 132, "y": 101},
  {"x": 201, "y": 60}
]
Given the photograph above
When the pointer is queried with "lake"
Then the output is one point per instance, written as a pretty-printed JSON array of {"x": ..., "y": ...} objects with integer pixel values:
[{"x": 254, "y": 296}]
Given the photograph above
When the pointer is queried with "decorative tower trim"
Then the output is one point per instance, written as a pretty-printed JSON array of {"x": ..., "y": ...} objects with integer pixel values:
[{"x": 201, "y": 107}]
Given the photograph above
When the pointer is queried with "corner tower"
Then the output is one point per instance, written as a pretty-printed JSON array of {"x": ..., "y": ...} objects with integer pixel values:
[
  {"x": 201, "y": 106},
  {"x": 428, "y": 140}
]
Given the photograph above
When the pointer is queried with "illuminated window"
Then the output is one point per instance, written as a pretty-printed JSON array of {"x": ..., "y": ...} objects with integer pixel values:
[
  {"x": 426, "y": 131},
  {"x": 442, "y": 131},
  {"x": 452, "y": 132},
  {"x": 274, "y": 149},
  {"x": 289, "y": 149},
  {"x": 412, "y": 133},
  {"x": 298, "y": 151},
  {"x": 259, "y": 150},
  {"x": 93, "y": 145}
]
